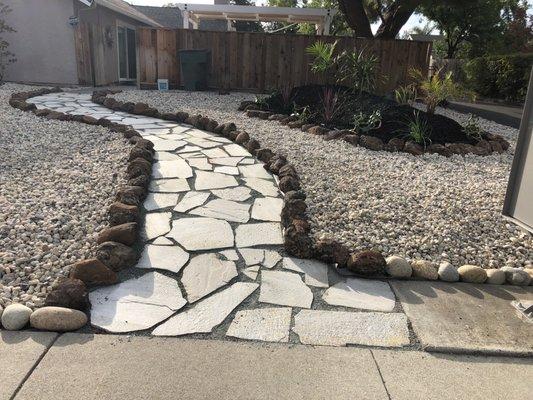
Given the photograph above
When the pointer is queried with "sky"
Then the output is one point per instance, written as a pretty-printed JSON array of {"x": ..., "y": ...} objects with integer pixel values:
[{"x": 415, "y": 20}]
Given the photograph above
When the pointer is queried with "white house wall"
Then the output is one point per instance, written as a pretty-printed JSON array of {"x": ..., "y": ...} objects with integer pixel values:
[{"x": 43, "y": 43}]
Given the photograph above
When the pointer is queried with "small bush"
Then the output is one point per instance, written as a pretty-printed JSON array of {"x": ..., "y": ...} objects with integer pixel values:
[{"x": 501, "y": 77}]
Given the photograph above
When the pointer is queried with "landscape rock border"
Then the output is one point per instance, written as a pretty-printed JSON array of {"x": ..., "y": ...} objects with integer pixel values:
[
  {"x": 66, "y": 304},
  {"x": 491, "y": 143},
  {"x": 297, "y": 239}
]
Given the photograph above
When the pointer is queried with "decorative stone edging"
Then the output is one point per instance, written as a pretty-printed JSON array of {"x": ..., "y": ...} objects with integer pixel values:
[
  {"x": 65, "y": 305},
  {"x": 490, "y": 144},
  {"x": 297, "y": 239}
]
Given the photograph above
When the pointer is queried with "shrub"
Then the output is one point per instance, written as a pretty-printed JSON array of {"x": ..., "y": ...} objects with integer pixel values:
[
  {"x": 472, "y": 129},
  {"x": 501, "y": 77},
  {"x": 358, "y": 70},
  {"x": 418, "y": 130},
  {"x": 364, "y": 123},
  {"x": 324, "y": 59},
  {"x": 332, "y": 105}
]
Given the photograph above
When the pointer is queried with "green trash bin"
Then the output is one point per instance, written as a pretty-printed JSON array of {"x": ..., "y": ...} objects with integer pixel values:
[{"x": 194, "y": 68}]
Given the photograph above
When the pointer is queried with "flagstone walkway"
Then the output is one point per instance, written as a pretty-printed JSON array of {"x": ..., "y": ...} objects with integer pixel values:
[{"x": 213, "y": 260}]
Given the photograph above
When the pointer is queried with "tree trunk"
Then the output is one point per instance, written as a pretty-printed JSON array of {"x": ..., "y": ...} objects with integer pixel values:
[
  {"x": 356, "y": 17},
  {"x": 395, "y": 16}
]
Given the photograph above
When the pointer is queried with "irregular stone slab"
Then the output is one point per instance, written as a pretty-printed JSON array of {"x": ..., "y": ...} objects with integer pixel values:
[
  {"x": 156, "y": 224},
  {"x": 235, "y": 150},
  {"x": 224, "y": 209},
  {"x": 266, "y": 188},
  {"x": 254, "y": 171},
  {"x": 189, "y": 149},
  {"x": 271, "y": 258},
  {"x": 284, "y": 288},
  {"x": 247, "y": 161},
  {"x": 171, "y": 258},
  {"x": 191, "y": 200},
  {"x": 361, "y": 293},
  {"x": 316, "y": 272},
  {"x": 196, "y": 133},
  {"x": 211, "y": 180},
  {"x": 230, "y": 255},
  {"x": 171, "y": 169},
  {"x": 208, "y": 313},
  {"x": 267, "y": 209},
  {"x": 202, "y": 233},
  {"x": 165, "y": 156},
  {"x": 227, "y": 161},
  {"x": 206, "y": 273},
  {"x": 163, "y": 241},
  {"x": 156, "y": 201},
  {"x": 240, "y": 193},
  {"x": 168, "y": 145},
  {"x": 251, "y": 272},
  {"x": 169, "y": 186},
  {"x": 200, "y": 163},
  {"x": 265, "y": 324},
  {"x": 252, "y": 256},
  {"x": 195, "y": 154},
  {"x": 466, "y": 317},
  {"x": 203, "y": 143},
  {"x": 258, "y": 234},
  {"x": 220, "y": 139},
  {"x": 173, "y": 136},
  {"x": 227, "y": 170},
  {"x": 136, "y": 304},
  {"x": 215, "y": 153},
  {"x": 339, "y": 328}
]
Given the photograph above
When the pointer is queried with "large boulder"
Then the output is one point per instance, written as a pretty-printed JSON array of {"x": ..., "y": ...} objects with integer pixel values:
[
  {"x": 425, "y": 270},
  {"x": 398, "y": 267},
  {"x": 93, "y": 273},
  {"x": 495, "y": 276},
  {"x": 368, "y": 263},
  {"x": 120, "y": 213},
  {"x": 332, "y": 251},
  {"x": 447, "y": 272},
  {"x": 116, "y": 255},
  {"x": 124, "y": 233},
  {"x": 472, "y": 274},
  {"x": 57, "y": 319},
  {"x": 15, "y": 317},
  {"x": 70, "y": 293},
  {"x": 371, "y": 142}
]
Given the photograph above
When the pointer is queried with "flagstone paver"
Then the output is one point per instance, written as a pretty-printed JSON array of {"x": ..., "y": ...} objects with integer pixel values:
[
  {"x": 156, "y": 224},
  {"x": 210, "y": 189},
  {"x": 208, "y": 313},
  {"x": 191, "y": 200},
  {"x": 224, "y": 209},
  {"x": 136, "y": 304},
  {"x": 339, "y": 328},
  {"x": 202, "y": 233},
  {"x": 206, "y": 273},
  {"x": 171, "y": 258},
  {"x": 316, "y": 272},
  {"x": 266, "y": 324},
  {"x": 361, "y": 293},
  {"x": 284, "y": 288}
]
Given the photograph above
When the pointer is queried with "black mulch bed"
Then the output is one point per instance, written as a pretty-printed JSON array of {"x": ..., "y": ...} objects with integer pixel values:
[{"x": 394, "y": 116}]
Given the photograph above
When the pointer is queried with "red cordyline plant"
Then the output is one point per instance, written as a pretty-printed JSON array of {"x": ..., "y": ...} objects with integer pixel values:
[{"x": 332, "y": 107}]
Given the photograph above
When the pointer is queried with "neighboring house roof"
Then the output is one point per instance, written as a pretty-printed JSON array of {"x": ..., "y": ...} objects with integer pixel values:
[
  {"x": 168, "y": 17},
  {"x": 425, "y": 38},
  {"x": 171, "y": 17},
  {"x": 123, "y": 8}
]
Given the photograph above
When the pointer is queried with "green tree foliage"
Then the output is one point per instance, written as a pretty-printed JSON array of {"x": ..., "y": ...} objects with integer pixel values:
[
  {"x": 246, "y": 26},
  {"x": 339, "y": 26}
]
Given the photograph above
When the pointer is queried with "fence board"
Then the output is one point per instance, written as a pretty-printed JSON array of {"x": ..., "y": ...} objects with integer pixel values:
[{"x": 259, "y": 61}]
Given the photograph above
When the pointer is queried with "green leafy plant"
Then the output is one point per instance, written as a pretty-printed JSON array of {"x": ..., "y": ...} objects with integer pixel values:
[
  {"x": 418, "y": 130},
  {"x": 405, "y": 94},
  {"x": 324, "y": 59},
  {"x": 437, "y": 88},
  {"x": 304, "y": 114},
  {"x": 261, "y": 101},
  {"x": 364, "y": 123},
  {"x": 332, "y": 105},
  {"x": 359, "y": 70},
  {"x": 472, "y": 129}
]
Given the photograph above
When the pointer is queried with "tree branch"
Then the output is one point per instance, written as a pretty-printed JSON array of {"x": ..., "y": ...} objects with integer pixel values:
[
  {"x": 356, "y": 17},
  {"x": 395, "y": 16}
]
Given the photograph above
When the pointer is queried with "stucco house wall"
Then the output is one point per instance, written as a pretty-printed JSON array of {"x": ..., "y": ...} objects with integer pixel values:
[{"x": 43, "y": 43}]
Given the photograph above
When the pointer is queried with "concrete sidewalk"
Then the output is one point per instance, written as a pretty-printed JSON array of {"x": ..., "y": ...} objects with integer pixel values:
[{"x": 48, "y": 366}]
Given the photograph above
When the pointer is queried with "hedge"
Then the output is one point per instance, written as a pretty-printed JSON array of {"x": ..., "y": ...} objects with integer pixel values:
[{"x": 500, "y": 77}]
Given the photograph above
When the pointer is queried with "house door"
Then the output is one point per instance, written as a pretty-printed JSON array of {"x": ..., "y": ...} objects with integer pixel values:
[{"x": 127, "y": 57}]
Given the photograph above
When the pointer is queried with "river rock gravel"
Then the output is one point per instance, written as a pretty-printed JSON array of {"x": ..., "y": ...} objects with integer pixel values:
[
  {"x": 425, "y": 207},
  {"x": 57, "y": 180}
]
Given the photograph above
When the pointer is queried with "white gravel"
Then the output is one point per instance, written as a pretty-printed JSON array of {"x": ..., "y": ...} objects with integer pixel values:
[
  {"x": 432, "y": 207},
  {"x": 57, "y": 180}
]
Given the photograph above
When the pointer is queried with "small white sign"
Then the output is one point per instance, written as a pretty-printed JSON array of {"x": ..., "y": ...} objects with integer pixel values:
[{"x": 162, "y": 85}]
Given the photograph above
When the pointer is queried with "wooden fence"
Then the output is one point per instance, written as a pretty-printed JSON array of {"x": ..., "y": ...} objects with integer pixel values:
[{"x": 259, "y": 62}]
